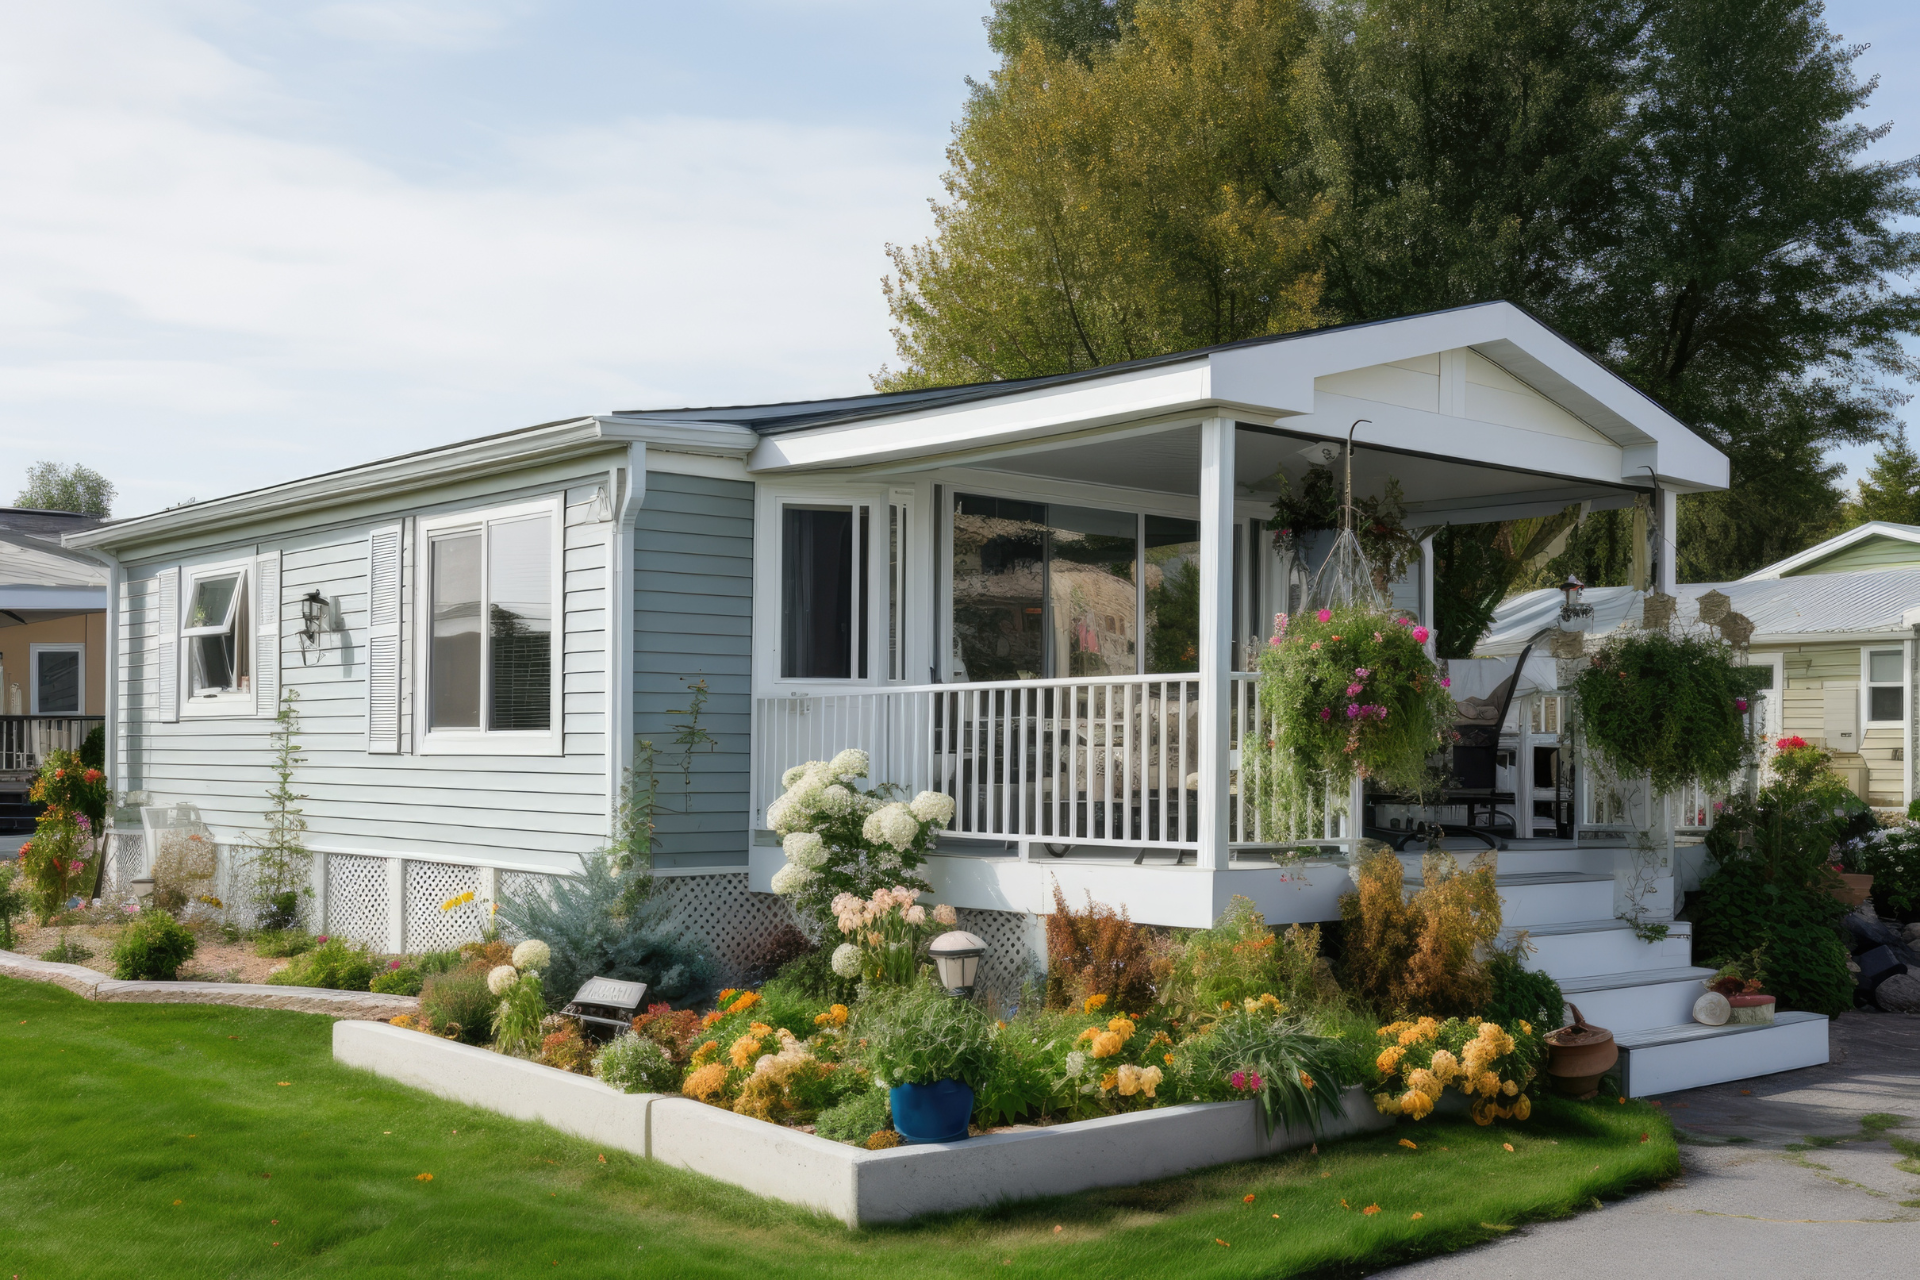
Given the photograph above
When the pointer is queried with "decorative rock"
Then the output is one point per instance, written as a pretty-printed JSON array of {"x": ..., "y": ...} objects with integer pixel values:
[
  {"x": 1714, "y": 606},
  {"x": 1899, "y": 994},
  {"x": 1657, "y": 610},
  {"x": 1911, "y": 934},
  {"x": 1712, "y": 1010}
]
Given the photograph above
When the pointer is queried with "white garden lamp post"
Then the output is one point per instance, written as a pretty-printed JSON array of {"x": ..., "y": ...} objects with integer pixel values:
[{"x": 956, "y": 954}]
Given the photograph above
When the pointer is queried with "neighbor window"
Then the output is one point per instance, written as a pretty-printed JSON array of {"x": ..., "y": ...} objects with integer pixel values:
[
  {"x": 823, "y": 592},
  {"x": 1886, "y": 686},
  {"x": 57, "y": 688},
  {"x": 490, "y": 659},
  {"x": 214, "y": 632}
]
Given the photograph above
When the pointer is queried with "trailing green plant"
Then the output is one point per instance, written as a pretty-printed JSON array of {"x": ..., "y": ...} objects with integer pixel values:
[
  {"x": 1378, "y": 522},
  {"x": 517, "y": 1018},
  {"x": 636, "y": 1064},
  {"x": 153, "y": 946},
  {"x": 920, "y": 1035},
  {"x": 1097, "y": 952},
  {"x": 1666, "y": 707},
  {"x": 283, "y": 943},
  {"x": 281, "y": 862},
  {"x": 1420, "y": 953},
  {"x": 334, "y": 963},
  {"x": 457, "y": 1003},
  {"x": 1518, "y": 994},
  {"x": 601, "y": 923},
  {"x": 856, "y": 1119},
  {"x": 843, "y": 840},
  {"x": 13, "y": 904},
  {"x": 67, "y": 951},
  {"x": 1347, "y": 693},
  {"x": 1295, "y": 1075}
]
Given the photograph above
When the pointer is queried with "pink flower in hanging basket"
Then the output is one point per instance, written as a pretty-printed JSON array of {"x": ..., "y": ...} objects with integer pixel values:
[
  {"x": 1445, "y": 683},
  {"x": 1740, "y": 704}
]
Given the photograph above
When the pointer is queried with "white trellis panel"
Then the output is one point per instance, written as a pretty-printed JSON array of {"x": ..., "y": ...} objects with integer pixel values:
[
  {"x": 429, "y": 884},
  {"x": 357, "y": 907}
]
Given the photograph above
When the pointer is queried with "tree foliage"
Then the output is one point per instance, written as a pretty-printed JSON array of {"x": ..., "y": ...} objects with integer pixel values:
[
  {"x": 53, "y": 487},
  {"x": 1891, "y": 489},
  {"x": 1681, "y": 186}
]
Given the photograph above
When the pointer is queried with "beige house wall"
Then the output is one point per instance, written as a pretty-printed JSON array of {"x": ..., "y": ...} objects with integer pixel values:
[
  {"x": 16, "y": 649},
  {"x": 1811, "y": 670}
]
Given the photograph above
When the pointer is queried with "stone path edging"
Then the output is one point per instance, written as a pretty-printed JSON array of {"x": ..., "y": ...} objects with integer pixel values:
[{"x": 359, "y": 1005}]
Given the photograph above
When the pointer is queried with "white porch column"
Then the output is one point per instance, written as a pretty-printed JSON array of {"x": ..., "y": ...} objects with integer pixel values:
[
  {"x": 1216, "y": 624},
  {"x": 1666, "y": 514}
]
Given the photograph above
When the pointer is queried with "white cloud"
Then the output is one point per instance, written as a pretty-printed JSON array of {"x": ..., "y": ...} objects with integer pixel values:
[{"x": 196, "y": 303}]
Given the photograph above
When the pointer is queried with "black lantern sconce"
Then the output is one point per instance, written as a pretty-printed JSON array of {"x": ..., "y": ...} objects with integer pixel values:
[{"x": 316, "y": 616}]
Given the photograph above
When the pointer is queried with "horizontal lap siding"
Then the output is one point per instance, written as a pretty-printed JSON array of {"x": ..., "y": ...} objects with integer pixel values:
[
  {"x": 693, "y": 608},
  {"x": 520, "y": 810},
  {"x": 1811, "y": 670}
]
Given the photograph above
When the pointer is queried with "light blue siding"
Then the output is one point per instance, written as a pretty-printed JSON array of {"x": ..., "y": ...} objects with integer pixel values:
[{"x": 693, "y": 617}]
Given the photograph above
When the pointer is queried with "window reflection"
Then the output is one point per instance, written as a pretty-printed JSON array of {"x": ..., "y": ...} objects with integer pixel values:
[{"x": 1173, "y": 595}]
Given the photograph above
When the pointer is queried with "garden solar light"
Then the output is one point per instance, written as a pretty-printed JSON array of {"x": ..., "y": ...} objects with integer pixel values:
[
  {"x": 1574, "y": 607},
  {"x": 957, "y": 955}
]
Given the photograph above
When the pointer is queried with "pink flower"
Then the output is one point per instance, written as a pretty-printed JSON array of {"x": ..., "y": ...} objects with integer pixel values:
[
  {"x": 1253, "y": 1080},
  {"x": 1325, "y": 615},
  {"x": 1280, "y": 624},
  {"x": 321, "y": 938},
  {"x": 1420, "y": 635},
  {"x": 393, "y": 964},
  {"x": 1739, "y": 704},
  {"x": 1353, "y": 709},
  {"x": 1719, "y": 806},
  {"x": 1326, "y": 713},
  {"x": 1354, "y": 688},
  {"x": 1273, "y": 640},
  {"x": 1376, "y": 637},
  {"x": 1316, "y": 644},
  {"x": 1445, "y": 683},
  {"x": 1238, "y": 1079}
]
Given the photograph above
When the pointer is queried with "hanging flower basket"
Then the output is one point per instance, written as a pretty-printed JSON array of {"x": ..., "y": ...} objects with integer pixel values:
[{"x": 1669, "y": 708}]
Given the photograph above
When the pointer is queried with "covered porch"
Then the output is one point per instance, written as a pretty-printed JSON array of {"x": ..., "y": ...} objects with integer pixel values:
[{"x": 1046, "y": 600}]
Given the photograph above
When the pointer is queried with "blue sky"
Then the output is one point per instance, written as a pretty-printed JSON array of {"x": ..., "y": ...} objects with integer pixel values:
[{"x": 241, "y": 242}]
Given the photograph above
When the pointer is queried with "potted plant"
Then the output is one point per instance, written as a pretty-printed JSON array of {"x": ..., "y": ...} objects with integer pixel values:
[
  {"x": 1578, "y": 1055},
  {"x": 929, "y": 1050},
  {"x": 1743, "y": 983},
  {"x": 1851, "y": 883}
]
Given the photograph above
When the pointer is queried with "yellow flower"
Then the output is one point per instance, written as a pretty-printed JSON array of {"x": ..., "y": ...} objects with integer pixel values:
[
  {"x": 1522, "y": 1107},
  {"x": 1167, "y": 1058},
  {"x": 458, "y": 900},
  {"x": 702, "y": 1084},
  {"x": 1110, "y": 1081},
  {"x": 1306, "y": 1081},
  {"x": 1088, "y": 1034},
  {"x": 1509, "y": 1088},
  {"x": 1526, "y": 1028},
  {"x": 747, "y": 1000},
  {"x": 744, "y": 1051},
  {"x": 1389, "y": 1059},
  {"x": 1107, "y": 1043},
  {"x": 1122, "y": 1027},
  {"x": 1416, "y": 1104},
  {"x": 1096, "y": 1003},
  {"x": 834, "y": 1017},
  {"x": 1445, "y": 1066},
  {"x": 1386, "y": 1104},
  {"x": 1423, "y": 1080},
  {"x": 759, "y": 1029},
  {"x": 1488, "y": 1084},
  {"x": 1132, "y": 1080},
  {"x": 706, "y": 1053}
]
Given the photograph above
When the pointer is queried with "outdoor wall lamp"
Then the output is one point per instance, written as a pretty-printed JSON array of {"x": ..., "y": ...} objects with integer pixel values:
[
  {"x": 314, "y": 610},
  {"x": 956, "y": 954}
]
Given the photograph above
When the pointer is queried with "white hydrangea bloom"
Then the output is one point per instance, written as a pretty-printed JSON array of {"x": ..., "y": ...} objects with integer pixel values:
[
  {"x": 805, "y": 849},
  {"x": 851, "y": 763},
  {"x": 899, "y": 827},
  {"x": 532, "y": 954},
  {"x": 500, "y": 978},
  {"x": 1076, "y": 1063},
  {"x": 846, "y": 960},
  {"x": 792, "y": 776},
  {"x": 777, "y": 814},
  {"x": 836, "y": 799},
  {"x": 791, "y": 879},
  {"x": 931, "y": 806}
]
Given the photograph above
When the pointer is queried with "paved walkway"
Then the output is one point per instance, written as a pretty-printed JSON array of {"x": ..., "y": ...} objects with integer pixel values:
[{"x": 1746, "y": 1205}]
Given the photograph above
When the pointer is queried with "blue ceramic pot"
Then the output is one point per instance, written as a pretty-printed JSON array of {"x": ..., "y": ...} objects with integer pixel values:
[{"x": 936, "y": 1112}]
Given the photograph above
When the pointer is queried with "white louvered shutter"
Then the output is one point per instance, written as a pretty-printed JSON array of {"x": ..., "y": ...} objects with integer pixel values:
[
  {"x": 266, "y": 634},
  {"x": 383, "y": 640},
  {"x": 166, "y": 644}
]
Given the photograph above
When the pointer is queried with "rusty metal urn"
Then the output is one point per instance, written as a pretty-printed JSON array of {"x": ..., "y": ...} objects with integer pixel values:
[{"x": 1578, "y": 1055}]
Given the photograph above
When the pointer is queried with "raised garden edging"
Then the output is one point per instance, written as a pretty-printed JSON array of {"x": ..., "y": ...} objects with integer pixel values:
[
  {"x": 94, "y": 985},
  {"x": 848, "y": 1183}
]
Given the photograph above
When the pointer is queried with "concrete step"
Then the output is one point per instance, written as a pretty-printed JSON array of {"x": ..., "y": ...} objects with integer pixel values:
[
  {"x": 1578, "y": 948},
  {"x": 1638, "y": 1000},
  {"x": 1687, "y": 1056},
  {"x": 1550, "y": 897},
  {"x": 1525, "y": 860}
]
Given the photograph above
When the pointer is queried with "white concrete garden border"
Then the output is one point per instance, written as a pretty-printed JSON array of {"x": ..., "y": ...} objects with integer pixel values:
[
  {"x": 855, "y": 1186},
  {"x": 95, "y": 985}
]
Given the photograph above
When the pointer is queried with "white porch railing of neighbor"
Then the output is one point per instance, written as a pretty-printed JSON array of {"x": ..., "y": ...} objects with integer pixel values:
[
  {"x": 26, "y": 741},
  {"x": 1112, "y": 760}
]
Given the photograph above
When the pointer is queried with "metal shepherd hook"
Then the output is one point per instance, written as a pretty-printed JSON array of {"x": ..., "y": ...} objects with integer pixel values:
[{"x": 1346, "y": 508}]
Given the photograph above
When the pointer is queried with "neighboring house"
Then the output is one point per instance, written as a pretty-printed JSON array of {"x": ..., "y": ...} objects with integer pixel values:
[
  {"x": 1835, "y": 624},
  {"x": 53, "y": 646},
  {"x": 1035, "y": 596}
]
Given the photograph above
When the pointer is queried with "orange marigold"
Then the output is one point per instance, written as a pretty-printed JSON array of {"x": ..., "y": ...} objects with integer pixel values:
[{"x": 705, "y": 1083}]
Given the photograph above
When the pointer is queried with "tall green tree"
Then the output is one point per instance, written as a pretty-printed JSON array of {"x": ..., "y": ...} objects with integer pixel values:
[
  {"x": 1891, "y": 489},
  {"x": 53, "y": 487}
]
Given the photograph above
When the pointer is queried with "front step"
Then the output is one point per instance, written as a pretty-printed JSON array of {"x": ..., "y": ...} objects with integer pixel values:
[
  {"x": 1667, "y": 1059},
  {"x": 1637, "y": 1000},
  {"x": 1577, "y": 948},
  {"x": 1540, "y": 898}
]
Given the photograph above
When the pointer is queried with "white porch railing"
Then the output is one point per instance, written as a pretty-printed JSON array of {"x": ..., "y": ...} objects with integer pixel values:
[
  {"x": 26, "y": 741},
  {"x": 1107, "y": 761}
]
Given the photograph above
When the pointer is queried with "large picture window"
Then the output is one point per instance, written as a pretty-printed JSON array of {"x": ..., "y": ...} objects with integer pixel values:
[
  {"x": 214, "y": 630},
  {"x": 490, "y": 592}
]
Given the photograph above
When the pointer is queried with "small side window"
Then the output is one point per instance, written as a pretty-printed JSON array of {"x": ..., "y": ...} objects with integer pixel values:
[
  {"x": 1886, "y": 686},
  {"x": 57, "y": 688},
  {"x": 215, "y": 633}
]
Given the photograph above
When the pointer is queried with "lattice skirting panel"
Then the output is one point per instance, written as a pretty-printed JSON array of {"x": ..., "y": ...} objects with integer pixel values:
[
  {"x": 729, "y": 921},
  {"x": 358, "y": 904},
  {"x": 1010, "y": 958},
  {"x": 431, "y": 886}
]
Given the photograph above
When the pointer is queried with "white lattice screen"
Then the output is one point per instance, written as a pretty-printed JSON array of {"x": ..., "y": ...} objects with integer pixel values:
[
  {"x": 357, "y": 899},
  {"x": 1009, "y": 959},
  {"x": 429, "y": 885},
  {"x": 126, "y": 859},
  {"x": 723, "y": 915}
]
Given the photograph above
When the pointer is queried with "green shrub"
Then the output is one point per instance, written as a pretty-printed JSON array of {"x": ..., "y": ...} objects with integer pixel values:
[
  {"x": 334, "y": 964},
  {"x": 402, "y": 981},
  {"x": 458, "y": 1003},
  {"x": 811, "y": 977},
  {"x": 1025, "y": 1077},
  {"x": 637, "y": 1065},
  {"x": 67, "y": 951},
  {"x": 282, "y": 944},
  {"x": 153, "y": 946},
  {"x": 439, "y": 961},
  {"x": 1521, "y": 995},
  {"x": 922, "y": 1035},
  {"x": 13, "y": 904},
  {"x": 856, "y": 1119},
  {"x": 516, "y": 1019},
  {"x": 278, "y": 911},
  {"x": 1740, "y": 908},
  {"x": 1283, "y": 1054}
]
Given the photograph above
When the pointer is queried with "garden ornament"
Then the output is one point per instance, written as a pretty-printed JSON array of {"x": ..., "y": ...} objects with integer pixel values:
[
  {"x": 1714, "y": 605},
  {"x": 1656, "y": 613}
]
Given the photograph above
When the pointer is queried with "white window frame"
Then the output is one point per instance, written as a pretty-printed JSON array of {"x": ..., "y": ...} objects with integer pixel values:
[
  {"x": 770, "y": 562},
  {"x": 234, "y": 702},
  {"x": 33, "y": 677},
  {"x": 550, "y": 741},
  {"x": 1868, "y": 684}
]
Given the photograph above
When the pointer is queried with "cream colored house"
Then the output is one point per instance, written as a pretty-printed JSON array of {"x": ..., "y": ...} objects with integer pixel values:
[{"x": 1836, "y": 625}]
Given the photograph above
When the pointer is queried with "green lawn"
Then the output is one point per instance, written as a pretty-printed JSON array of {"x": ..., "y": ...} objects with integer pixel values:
[{"x": 160, "y": 1140}]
